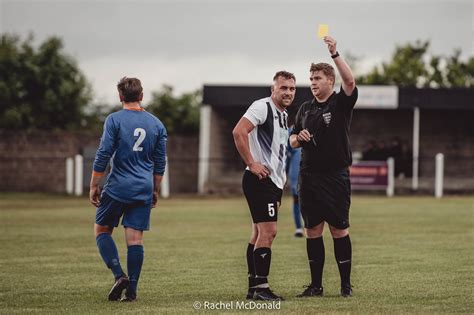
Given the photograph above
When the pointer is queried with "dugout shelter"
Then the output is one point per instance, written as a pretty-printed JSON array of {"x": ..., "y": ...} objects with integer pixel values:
[{"x": 427, "y": 122}]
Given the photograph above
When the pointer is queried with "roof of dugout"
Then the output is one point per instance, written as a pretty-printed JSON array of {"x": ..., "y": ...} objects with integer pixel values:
[{"x": 370, "y": 97}]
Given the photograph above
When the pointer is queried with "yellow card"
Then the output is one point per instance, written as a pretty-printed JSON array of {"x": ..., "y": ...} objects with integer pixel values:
[{"x": 323, "y": 30}]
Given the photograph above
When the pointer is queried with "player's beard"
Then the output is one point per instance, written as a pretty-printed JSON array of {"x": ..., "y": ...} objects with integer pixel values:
[{"x": 286, "y": 101}]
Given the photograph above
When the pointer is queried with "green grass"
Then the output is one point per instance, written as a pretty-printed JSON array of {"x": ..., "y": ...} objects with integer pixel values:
[{"x": 411, "y": 255}]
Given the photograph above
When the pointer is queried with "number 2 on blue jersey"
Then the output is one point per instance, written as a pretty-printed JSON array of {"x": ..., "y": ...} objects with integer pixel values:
[{"x": 140, "y": 133}]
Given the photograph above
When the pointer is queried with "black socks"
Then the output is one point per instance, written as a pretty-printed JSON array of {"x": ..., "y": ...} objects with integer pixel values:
[
  {"x": 262, "y": 257},
  {"x": 343, "y": 253},
  {"x": 250, "y": 265},
  {"x": 316, "y": 255}
]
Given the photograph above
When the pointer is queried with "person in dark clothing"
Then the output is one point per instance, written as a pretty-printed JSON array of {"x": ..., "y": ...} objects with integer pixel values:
[{"x": 322, "y": 130}]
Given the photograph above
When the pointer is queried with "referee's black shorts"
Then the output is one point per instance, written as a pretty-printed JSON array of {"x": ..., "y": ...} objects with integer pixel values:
[
  {"x": 263, "y": 197},
  {"x": 325, "y": 197}
]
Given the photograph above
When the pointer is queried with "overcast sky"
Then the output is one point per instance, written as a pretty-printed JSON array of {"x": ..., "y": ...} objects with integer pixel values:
[{"x": 190, "y": 43}]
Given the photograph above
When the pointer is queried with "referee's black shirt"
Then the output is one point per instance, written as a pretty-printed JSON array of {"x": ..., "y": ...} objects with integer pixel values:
[{"x": 329, "y": 123}]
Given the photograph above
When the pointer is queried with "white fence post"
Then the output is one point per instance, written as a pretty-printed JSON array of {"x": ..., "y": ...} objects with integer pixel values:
[
  {"x": 165, "y": 183},
  {"x": 391, "y": 177},
  {"x": 439, "y": 175},
  {"x": 69, "y": 175},
  {"x": 416, "y": 147},
  {"x": 204, "y": 146},
  {"x": 79, "y": 175}
]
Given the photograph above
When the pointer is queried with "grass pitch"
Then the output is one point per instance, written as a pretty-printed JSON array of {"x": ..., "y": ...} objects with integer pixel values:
[{"x": 411, "y": 255}]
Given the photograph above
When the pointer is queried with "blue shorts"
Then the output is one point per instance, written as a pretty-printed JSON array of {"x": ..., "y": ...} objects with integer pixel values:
[{"x": 136, "y": 215}]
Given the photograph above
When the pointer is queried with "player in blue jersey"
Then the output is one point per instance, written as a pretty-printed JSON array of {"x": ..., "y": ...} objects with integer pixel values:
[
  {"x": 135, "y": 140},
  {"x": 293, "y": 171}
]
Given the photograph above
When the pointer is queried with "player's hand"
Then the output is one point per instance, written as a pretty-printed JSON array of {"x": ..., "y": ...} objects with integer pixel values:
[
  {"x": 94, "y": 195},
  {"x": 259, "y": 169},
  {"x": 331, "y": 42},
  {"x": 155, "y": 199},
  {"x": 304, "y": 136}
]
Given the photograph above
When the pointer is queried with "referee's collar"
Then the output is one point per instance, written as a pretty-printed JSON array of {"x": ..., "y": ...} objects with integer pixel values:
[{"x": 315, "y": 101}]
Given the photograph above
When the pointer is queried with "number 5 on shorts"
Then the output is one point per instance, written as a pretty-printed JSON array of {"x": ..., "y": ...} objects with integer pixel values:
[{"x": 271, "y": 209}]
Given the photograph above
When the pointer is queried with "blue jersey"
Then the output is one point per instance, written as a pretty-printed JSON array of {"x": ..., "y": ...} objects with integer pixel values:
[{"x": 136, "y": 142}]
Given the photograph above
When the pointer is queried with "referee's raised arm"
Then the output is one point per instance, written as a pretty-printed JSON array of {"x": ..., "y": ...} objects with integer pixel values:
[{"x": 348, "y": 82}]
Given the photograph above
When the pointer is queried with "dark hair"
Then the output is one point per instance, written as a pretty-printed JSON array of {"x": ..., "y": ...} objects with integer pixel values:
[
  {"x": 130, "y": 89},
  {"x": 326, "y": 68},
  {"x": 284, "y": 74}
]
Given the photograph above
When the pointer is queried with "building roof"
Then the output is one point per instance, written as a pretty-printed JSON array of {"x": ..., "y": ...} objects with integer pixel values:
[{"x": 425, "y": 98}]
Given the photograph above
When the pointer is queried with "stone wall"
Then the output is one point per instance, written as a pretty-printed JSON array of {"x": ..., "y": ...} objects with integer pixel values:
[{"x": 36, "y": 161}]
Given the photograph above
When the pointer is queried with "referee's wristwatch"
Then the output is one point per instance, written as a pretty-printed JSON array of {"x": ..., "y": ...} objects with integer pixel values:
[{"x": 335, "y": 55}]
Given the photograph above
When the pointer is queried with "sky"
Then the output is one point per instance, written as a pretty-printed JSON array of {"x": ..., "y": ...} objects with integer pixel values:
[{"x": 187, "y": 44}]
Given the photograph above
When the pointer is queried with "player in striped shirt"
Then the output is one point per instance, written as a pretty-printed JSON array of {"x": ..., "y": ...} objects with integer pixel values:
[{"x": 261, "y": 137}]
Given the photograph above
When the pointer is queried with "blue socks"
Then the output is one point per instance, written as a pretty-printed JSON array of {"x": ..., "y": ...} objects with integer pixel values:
[
  {"x": 109, "y": 253},
  {"x": 134, "y": 264}
]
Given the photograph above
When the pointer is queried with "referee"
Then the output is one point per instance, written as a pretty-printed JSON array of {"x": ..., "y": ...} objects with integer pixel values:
[
  {"x": 261, "y": 137},
  {"x": 322, "y": 130}
]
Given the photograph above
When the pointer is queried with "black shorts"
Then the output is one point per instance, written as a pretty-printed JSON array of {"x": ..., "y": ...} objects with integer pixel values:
[
  {"x": 325, "y": 197},
  {"x": 263, "y": 197}
]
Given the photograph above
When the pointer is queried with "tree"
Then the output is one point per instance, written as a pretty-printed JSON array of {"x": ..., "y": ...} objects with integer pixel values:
[
  {"x": 95, "y": 115},
  {"x": 411, "y": 65},
  {"x": 179, "y": 114},
  {"x": 458, "y": 73},
  {"x": 40, "y": 88}
]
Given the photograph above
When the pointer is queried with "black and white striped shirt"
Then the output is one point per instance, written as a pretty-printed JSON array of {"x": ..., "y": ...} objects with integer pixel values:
[{"x": 269, "y": 139}]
